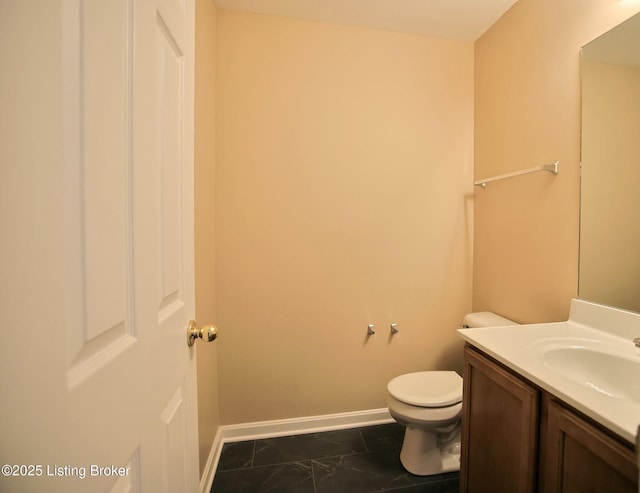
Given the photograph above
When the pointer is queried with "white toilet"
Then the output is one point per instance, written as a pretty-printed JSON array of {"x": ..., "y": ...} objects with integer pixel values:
[{"x": 429, "y": 404}]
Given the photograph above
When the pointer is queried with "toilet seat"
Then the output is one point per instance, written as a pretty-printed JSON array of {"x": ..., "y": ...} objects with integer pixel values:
[
  {"x": 430, "y": 389},
  {"x": 418, "y": 416}
]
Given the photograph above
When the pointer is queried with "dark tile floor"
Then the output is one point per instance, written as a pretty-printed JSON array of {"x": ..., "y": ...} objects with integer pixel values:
[{"x": 356, "y": 460}]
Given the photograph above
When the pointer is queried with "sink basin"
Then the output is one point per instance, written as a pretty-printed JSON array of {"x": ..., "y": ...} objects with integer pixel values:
[
  {"x": 600, "y": 367},
  {"x": 589, "y": 362}
]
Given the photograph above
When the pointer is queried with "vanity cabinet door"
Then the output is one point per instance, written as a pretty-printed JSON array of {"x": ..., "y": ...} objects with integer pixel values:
[
  {"x": 578, "y": 457},
  {"x": 499, "y": 428}
]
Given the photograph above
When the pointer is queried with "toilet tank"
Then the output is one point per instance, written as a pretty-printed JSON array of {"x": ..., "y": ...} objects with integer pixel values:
[{"x": 484, "y": 319}]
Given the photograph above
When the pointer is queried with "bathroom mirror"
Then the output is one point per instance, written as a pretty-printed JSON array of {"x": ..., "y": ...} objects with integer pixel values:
[{"x": 609, "y": 270}]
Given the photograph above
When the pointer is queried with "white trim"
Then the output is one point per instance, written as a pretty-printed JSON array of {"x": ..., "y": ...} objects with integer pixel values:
[
  {"x": 286, "y": 427},
  {"x": 206, "y": 480},
  {"x": 309, "y": 424}
]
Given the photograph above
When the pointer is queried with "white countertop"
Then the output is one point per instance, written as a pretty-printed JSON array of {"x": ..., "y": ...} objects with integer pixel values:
[{"x": 519, "y": 347}]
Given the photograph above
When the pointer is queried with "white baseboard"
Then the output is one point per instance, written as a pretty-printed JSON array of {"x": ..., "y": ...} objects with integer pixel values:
[
  {"x": 309, "y": 424},
  {"x": 286, "y": 427},
  {"x": 212, "y": 463}
]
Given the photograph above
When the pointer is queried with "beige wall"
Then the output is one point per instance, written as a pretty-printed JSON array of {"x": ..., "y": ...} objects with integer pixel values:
[
  {"x": 527, "y": 112},
  {"x": 609, "y": 229},
  {"x": 343, "y": 170},
  {"x": 207, "y": 354}
]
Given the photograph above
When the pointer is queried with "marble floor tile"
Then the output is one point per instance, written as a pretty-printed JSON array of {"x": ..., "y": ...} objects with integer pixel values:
[
  {"x": 364, "y": 473},
  {"x": 306, "y": 447},
  {"x": 236, "y": 455},
  {"x": 443, "y": 483},
  {"x": 292, "y": 477},
  {"x": 382, "y": 437},
  {"x": 356, "y": 460}
]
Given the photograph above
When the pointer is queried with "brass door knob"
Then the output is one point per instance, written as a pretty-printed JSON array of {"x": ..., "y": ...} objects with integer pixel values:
[{"x": 207, "y": 333}]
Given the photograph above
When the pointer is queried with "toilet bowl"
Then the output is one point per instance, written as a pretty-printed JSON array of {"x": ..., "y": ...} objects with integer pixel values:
[{"x": 429, "y": 405}]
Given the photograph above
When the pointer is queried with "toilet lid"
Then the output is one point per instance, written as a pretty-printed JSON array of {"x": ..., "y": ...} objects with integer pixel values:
[{"x": 427, "y": 388}]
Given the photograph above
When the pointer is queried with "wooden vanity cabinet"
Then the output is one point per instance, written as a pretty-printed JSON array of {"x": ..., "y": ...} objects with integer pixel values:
[
  {"x": 500, "y": 416},
  {"x": 577, "y": 456},
  {"x": 518, "y": 438}
]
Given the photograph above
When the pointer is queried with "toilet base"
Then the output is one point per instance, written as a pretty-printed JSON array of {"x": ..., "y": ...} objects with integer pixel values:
[{"x": 423, "y": 455}]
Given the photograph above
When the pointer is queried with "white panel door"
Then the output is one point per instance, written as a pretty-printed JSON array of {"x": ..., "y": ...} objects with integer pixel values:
[{"x": 96, "y": 255}]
